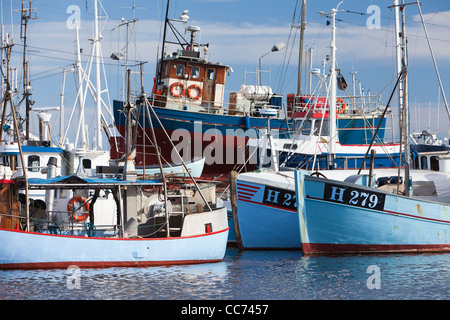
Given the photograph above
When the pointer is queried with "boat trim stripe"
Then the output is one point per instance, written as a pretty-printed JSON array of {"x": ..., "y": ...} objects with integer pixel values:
[
  {"x": 248, "y": 186},
  {"x": 126, "y": 239},
  {"x": 99, "y": 264},
  {"x": 318, "y": 248},
  {"x": 245, "y": 193}
]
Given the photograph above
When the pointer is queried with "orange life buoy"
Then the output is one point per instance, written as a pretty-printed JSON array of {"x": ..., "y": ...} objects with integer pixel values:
[
  {"x": 182, "y": 90},
  {"x": 194, "y": 86},
  {"x": 76, "y": 215},
  {"x": 342, "y": 105}
]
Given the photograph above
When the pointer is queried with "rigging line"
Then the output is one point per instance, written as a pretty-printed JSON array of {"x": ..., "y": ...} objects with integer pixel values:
[
  {"x": 386, "y": 30},
  {"x": 407, "y": 18},
  {"x": 283, "y": 73},
  {"x": 371, "y": 128},
  {"x": 400, "y": 76},
  {"x": 288, "y": 53},
  {"x": 86, "y": 55}
]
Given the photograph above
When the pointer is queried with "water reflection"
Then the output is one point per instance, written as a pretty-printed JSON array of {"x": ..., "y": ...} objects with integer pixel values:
[{"x": 254, "y": 275}]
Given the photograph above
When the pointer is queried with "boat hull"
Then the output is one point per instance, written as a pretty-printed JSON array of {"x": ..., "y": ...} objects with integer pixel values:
[
  {"x": 29, "y": 250},
  {"x": 194, "y": 167},
  {"x": 334, "y": 218},
  {"x": 266, "y": 217}
]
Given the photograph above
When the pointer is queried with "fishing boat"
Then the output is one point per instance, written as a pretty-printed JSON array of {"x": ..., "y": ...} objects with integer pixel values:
[
  {"x": 195, "y": 167},
  {"x": 309, "y": 146},
  {"x": 264, "y": 211},
  {"x": 342, "y": 217},
  {"x": 366, "y": 213},
  {"x": 130, "y": 229},
  {"x": 103, "y": 217},
  {"x": 188, "y": 97},
  {"x": 330, "y": 131}
]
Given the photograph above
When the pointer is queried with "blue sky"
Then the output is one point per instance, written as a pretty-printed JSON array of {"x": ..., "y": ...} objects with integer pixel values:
[{"x": 239, "y": 32}]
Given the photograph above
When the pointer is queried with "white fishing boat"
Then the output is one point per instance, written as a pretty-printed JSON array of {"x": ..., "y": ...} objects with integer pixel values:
[
  {"x": 104, "y": 217},
  {"x": 130, "y": 229}
]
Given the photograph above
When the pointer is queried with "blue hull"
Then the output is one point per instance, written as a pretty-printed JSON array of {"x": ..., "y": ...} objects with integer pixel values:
[
  {"x": 226, "y": 134},
  {"x": 262, "y": 222},
  {"x": 29, "y": 250},
  {"x": 339, "y": 217}
]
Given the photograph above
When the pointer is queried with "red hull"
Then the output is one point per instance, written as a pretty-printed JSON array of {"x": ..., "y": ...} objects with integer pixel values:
[
  {"x": 223, "y": 153},
  {"x": 331, "y": 248}
]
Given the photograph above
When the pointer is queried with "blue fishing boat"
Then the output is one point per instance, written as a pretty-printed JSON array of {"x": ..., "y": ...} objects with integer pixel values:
[
  {"x": 264, "y": 213},
  {"x": 341, "y": 217},
  {"x": 404, "y": 211}
]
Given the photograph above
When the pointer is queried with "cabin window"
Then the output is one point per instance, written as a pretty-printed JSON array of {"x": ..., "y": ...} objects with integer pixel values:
[
  {"x": 33, "y": 163},
  {"x": 290, "y": 146},
  {"x": 423, "y": 162},
  {"x": 195, "y": 72},
  {"x": 180, "y": 70},
  {"x": 434, "y": 163},
  {"x": 210, "y": 74},
  {"x": 4, "y": 161},
  {"x": 62, "y": 193},
  {"x": 87, "y": 164},
  {"x": 318, "y": 124},
  {"x": 303, "y": 127}
]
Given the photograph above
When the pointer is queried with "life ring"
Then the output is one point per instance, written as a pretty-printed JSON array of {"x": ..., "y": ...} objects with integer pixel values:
[
  {"x": 342, "y": 105},
  {"x": 173, "y": 86},
  {"x": 200, "y": 92},
  {"x": 76, "y": 215}
]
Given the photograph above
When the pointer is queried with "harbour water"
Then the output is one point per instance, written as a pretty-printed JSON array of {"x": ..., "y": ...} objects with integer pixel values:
[{"x": 246, "y": 275}]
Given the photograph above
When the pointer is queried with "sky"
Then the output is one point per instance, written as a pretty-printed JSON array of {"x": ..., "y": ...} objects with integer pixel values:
[{"x": 239, "y": 32}]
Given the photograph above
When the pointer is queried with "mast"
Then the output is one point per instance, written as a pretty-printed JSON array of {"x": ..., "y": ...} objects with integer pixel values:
[
  {"x": 398, "y": 51},
  {"x": 98, "y": 103},
  {"x": 403, "y": 96},
  {"x": 9, "y": 98},
  {"x": 405, "y": 103},
  {"x": 61, "y": 108},
  {"x": 80, "y": 94},
  {"x": 2, "y": 40},
  {"x": 300, "y": 56},
  {"x": 25, "y": 16},
  {"x": 332, "y": 101},
  {"x": 158, "y": 76}
]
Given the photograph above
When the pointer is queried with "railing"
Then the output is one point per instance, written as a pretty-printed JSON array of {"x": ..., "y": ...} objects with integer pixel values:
[
  {"x": 353, "y": 105},
  {"x": 211, "y": 107}
]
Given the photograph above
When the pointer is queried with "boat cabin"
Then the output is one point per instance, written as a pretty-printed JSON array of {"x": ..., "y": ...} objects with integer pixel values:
[{"x": 188, "y": 81}]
